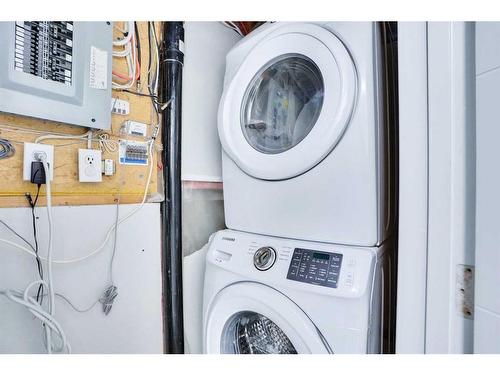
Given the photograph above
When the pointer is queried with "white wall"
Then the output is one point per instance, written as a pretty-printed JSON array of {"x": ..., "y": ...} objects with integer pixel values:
[
  {"x": 206, "y": 46},
  {"x": 134, "y": 324},
  {"x": 487, "y": 295}
]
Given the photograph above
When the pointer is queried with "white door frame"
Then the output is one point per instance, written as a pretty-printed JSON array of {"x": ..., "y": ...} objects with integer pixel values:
[
  {"x": 437, "y": 184},
  {"x": 413, "y": 129}
]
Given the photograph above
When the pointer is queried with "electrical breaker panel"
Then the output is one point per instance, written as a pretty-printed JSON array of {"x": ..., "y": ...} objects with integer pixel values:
[{"x": 57, "y": 70}]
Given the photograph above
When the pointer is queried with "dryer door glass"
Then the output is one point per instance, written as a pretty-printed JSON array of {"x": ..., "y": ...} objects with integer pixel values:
[
  {"x": 282, "y": 103},
  {"x": 248, "y": 332}
]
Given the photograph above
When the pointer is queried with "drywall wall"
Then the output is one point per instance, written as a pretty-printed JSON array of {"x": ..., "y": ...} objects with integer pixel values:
[
  {"x": 206, "y": 46},
  {"x": 129, "y": 180},
  {"x": 487, "y": 295},
  {"x": 134, "y": 324}
]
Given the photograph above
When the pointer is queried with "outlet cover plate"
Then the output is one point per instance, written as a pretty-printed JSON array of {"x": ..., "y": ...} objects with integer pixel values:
[
  {"x": 90, "y": 165},
  {"x": 30, "y": 150}
]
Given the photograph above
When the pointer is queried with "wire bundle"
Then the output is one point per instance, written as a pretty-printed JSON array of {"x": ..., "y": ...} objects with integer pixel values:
[
  {"x": 50, "y": 324},
  {"x": 242, "y": 28},
  {"x": 6, "y": 149},
  {"x": 126, "y": 48}
]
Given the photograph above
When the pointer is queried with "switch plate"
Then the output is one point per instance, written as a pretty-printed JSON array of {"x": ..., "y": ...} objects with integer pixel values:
[
  {"x": 30, "y": 152},
  {"x": 90, "y": 165}
]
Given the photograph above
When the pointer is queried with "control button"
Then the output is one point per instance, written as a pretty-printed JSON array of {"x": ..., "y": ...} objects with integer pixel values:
[
  {"x": 349, "y": 279},
  {"x": 351, "y": 262}
]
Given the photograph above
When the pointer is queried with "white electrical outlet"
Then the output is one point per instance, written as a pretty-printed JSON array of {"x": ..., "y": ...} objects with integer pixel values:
[
  {"x": 90, "y": 165},
  {"x": 31, "y": 150}
]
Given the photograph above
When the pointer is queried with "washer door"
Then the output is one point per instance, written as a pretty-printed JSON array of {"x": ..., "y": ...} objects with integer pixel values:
[
  {"x": 251, "y": 318},
  {"x": 289, "y": 103}
]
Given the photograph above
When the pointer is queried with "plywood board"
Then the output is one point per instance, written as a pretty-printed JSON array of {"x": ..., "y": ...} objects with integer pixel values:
[{"x": 129, "y": 181}]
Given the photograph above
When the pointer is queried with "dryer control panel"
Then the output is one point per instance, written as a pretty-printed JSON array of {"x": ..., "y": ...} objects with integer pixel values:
[{"x": 315, "y": 267}]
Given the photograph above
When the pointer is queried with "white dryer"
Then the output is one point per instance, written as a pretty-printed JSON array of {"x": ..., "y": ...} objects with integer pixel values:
[
  {"x": 270, "y": 295},
  {"x": 303, "y": 128}
]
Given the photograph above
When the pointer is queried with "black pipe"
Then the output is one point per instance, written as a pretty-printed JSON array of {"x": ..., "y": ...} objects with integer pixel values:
[{"x": 170, "y": 91}]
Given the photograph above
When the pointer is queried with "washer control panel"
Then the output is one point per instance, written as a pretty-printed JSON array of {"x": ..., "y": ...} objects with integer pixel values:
[{"x": 315, "y": 267}]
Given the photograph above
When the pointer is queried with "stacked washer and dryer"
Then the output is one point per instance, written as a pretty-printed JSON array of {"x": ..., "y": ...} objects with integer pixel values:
[{"x": 305, "y": 266}]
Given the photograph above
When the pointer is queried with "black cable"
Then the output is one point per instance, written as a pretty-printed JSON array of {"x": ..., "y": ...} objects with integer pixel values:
[
  {"x": 149, "y": 59},
  {"x": 138, "y": 47},
  {"x": 155, "y": 103},
  {"x": 32, "y": 203},
  {"x": 140, "y": 94}
]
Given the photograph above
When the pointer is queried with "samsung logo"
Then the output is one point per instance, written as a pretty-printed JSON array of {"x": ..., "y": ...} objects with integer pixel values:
[{"x": 229, "y": 239}]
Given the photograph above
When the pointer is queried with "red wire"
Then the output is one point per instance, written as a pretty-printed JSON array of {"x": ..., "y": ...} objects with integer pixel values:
[
  {"x": 121, "y": 75},
  {"x": 127, "y": 77},
  {"x": 241, "y": 26}
]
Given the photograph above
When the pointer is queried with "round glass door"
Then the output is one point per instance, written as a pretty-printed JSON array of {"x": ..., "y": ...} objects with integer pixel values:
[
  {"x": 249, "y": 332},
  {"x": 282, "y": 103},
  {"x": 250, "y": 318},
  {"x": 288, "y": 103}
]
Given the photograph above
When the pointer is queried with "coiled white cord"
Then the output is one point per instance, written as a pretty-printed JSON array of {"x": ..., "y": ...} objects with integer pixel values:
[{"x": 46, "y": 317}]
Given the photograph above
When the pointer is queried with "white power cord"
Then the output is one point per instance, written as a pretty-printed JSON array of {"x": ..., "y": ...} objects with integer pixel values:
[
  {"x": 109, "y": 231},
  {"x": 46, "y": 317},
  {"x": 105, "y": 142}
]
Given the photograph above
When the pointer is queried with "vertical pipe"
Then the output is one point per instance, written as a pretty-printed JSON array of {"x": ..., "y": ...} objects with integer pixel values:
[{"x": 170, "y": 91}]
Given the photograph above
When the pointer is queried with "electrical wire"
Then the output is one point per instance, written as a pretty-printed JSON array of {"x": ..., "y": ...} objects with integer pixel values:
[
  {"x": 32, "y": 203},
  {"x": 154, "y": 70},
  {"x": 105, "y": 142},
  {"x": 233, "y": 27},
  {"x": 47, "y": 318},
  {"x": 99, "y": 248},
  {"x": 127, "y": 48},
  {"x": 50, "y": 284},
  {"x": 59, "y": 295},
  {"x": 138, "y": 51},
  {"x": 7, "y": 150},
  {"x": 60, "y": 136}
]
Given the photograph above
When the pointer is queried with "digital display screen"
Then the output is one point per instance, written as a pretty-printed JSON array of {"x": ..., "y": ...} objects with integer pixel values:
[{"x": 321, "y": 256}]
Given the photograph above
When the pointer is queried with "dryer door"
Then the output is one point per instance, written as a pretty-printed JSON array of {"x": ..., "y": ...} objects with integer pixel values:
[
  {"x": 289, "y": 102},
  {"x": 251, "y": 318}
]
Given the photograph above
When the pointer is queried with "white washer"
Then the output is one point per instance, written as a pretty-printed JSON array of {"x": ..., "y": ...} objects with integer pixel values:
[
  {"x": 303, "y": 129},
  {"x": 271, "y": 295}
]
